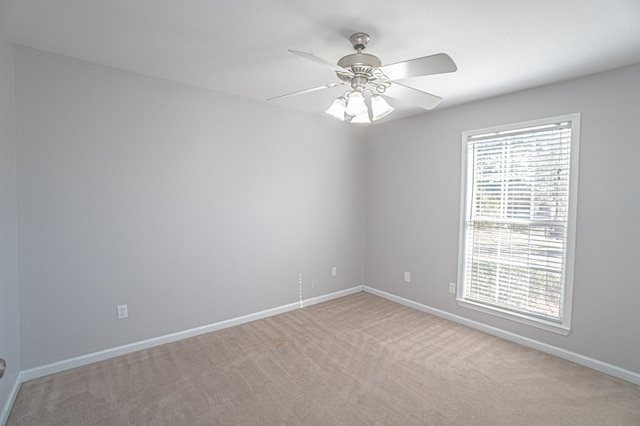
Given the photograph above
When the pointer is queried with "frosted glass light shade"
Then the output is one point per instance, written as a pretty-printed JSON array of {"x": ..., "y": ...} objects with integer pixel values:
[
  {"x": 337, "y": 108},
  {"x": 355, "y": 104},
  {"x": 361, "y": 118},
  {"x": 379, "y": 107}
]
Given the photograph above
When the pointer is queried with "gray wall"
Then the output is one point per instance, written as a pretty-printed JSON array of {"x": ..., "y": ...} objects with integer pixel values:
[
  {"x": 413, "y": 202},
  {"x": 9, "y": 326},
  {"x": 190, "y": 206}
]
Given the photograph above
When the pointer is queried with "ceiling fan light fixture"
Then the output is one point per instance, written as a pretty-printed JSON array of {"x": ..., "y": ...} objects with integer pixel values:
[
  {"x": 355, "y": 104},
  {"x": 337, "y": 108},
  {"x": 380, "y": 107}
]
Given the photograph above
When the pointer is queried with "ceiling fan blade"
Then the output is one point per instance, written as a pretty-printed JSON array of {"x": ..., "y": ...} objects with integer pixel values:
[
  {"x": 320, "y": 61},
  {"x": 426, "y": 65},
  {"x": 412, "y": 96},
  {"x": 300, "y": 92}
]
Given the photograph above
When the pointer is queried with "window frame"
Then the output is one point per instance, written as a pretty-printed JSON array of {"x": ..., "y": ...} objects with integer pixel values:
[{"x": 563, "y": 326}]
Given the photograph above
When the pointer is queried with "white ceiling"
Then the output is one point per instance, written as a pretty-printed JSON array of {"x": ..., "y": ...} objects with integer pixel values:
[{"x": 240, "y": 46}]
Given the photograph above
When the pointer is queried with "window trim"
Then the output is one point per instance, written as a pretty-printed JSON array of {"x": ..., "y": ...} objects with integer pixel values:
[{"x": 564, "y": 326}]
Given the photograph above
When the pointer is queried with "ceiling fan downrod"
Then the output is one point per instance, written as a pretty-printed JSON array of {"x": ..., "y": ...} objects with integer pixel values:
[{"x": 359, "y": 41}]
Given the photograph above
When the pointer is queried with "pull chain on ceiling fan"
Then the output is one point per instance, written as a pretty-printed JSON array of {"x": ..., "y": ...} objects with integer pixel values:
[{"x": 369, "y": 80}]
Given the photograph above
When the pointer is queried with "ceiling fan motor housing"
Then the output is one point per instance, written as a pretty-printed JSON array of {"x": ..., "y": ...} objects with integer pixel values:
[{"x": 361, "y": 64}]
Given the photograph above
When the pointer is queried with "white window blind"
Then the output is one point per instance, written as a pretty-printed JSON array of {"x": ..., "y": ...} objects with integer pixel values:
[{"x": 516, "y": 220}]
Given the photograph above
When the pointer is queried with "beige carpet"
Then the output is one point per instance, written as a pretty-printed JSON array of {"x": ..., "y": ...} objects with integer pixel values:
[{"x": 358, "y": 360}]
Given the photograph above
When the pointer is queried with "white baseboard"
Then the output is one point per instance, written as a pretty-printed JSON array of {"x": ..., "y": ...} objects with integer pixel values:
[
  {"x": 594, "y": 364},
  {"x": 4, "y": 416},
  {"x": 79, "y": 361}
]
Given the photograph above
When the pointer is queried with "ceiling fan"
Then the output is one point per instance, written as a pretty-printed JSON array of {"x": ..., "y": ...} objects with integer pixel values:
[{"x": 368, "y": 80}]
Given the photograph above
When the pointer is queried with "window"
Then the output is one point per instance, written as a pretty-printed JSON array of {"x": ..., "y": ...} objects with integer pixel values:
[{"x": 518, "y": 221}]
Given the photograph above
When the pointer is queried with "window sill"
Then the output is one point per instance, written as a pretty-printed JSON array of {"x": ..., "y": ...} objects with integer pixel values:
[{"x": 513, "y": 316}]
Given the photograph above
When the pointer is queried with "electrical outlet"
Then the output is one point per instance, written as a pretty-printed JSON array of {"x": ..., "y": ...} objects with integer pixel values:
[
  {"x": 122, "y": 312},
  {"x": 452, "y": 288},
  {"x": 407, "y": 277},
  {"x": 334, "y": 271}
]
